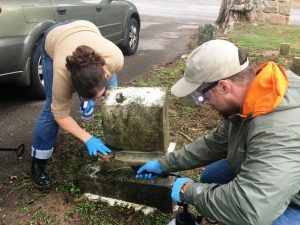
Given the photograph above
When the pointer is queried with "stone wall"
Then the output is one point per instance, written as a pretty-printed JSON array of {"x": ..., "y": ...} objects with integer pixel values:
[{"x": 273, "y": 11}]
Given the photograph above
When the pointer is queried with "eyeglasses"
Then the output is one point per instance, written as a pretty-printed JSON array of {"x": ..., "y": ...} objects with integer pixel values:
[
  {"x": 200, "y": 94},
  {"x": 82, "y": 99},
  {"x": 106, "y": 86}
]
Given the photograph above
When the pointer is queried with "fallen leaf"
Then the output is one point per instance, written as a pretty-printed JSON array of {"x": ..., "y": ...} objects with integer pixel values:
[{"x": 13, "y": 178}]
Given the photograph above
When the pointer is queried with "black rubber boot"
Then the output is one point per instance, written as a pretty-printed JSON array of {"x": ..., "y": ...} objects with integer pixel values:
[{"x": 40, "y": 178}]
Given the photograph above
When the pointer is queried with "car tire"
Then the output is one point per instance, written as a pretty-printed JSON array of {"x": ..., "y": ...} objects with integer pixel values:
[
  {"x": 131, "y": 38},
  {"x": 37, "y": 89}
]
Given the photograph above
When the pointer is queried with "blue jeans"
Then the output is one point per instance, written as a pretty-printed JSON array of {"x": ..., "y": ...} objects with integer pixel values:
[
  {"x": 220, "y": 172},
  {"x": 46, "y": 128}
]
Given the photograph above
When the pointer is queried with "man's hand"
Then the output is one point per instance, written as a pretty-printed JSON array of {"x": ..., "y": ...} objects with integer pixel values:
[
  {"x": 177, "y": 186},
  {"x": 150, "y": 170},
  {"x": 95, "y": 145},
  {"x": 87, "y": 110}
]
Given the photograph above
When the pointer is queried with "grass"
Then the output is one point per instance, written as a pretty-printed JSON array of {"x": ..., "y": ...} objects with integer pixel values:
[
  {"x": 23, "y": 183},
  {"x": 24, "y": 207},
  {"x": 102, "y": 214},
  {"x": 187, "y": 109},
  {"x": 266, "y": 37},
  {"x": 162, "y": 76},
  {"x": 42, "y": 217}
]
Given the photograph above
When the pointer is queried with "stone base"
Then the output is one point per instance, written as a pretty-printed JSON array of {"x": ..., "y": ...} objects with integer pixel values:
[
  {"x": 284, "y": 49},
  {"x": 114, "y": 202},
  {"x": 134, "y": 157},
  {"x": 119, "y": 182}
]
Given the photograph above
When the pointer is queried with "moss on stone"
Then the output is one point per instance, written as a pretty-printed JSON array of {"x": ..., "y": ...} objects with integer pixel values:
[{"x": 135, "y": 127}]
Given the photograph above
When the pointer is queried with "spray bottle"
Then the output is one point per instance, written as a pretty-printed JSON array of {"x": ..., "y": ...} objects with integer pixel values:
[{"x": 185, "y": 218}]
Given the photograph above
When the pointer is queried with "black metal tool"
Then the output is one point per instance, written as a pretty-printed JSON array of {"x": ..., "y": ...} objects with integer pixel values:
[
  {"x": 19, "y": 150},
  {"x": 164, "y": 175}
]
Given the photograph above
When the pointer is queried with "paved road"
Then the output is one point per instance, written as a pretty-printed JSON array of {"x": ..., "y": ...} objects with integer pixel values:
[
  {"x": 188, "y": 11},
  {"x": 166, "y": 28}
]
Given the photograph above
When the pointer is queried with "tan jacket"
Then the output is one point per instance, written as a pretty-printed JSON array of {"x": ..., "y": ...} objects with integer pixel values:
[{"x": 61, "y": 42}]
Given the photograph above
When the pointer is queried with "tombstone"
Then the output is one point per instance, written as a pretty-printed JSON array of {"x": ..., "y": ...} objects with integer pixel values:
[
  {"x": 296, "y": 65},
  {"x": 284, "y": 49},
  {"x": 136, "y": 119},
  {"x": 136, "y": 127}
]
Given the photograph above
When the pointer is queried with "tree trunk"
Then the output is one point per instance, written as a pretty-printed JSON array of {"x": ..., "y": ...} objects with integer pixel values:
[{"x": 234, "y": 11}]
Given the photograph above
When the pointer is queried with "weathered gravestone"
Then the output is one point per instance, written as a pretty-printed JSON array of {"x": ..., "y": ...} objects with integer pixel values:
[
  {"x": 136, "y": 119},
  {"x": 296, "y": 65},
  {"x": 136, "y": 126},
  {"x": 284, "y": 49}
]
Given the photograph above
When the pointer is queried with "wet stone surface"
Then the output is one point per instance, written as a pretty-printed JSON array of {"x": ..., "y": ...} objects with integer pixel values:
[{"x": 117, "y": 180}]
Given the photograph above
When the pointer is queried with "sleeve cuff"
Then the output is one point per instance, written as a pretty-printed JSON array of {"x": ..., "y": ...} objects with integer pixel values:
[{"x": 192, "y": 191}]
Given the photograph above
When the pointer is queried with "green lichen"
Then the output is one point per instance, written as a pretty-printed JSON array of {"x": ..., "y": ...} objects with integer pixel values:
[{"x": 136, "y": 128}]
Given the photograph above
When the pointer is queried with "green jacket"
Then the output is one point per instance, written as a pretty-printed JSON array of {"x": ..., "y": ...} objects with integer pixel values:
[{"x": 264, "y": 152}]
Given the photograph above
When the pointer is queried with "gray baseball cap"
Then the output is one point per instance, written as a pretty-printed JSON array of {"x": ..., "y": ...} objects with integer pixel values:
[{"x": 212, "y": 61}]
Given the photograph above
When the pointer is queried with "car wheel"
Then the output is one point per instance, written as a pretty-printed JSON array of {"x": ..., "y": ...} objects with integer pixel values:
[
  {"x": 131, "y": 37},
  {"x": 36, "y": 87}
]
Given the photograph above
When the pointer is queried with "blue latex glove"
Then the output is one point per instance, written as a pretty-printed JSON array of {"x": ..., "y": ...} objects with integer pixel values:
[
  {"x": 177, "y": 185},
  {"x": 149, "y": 170},
  {"x": 87, "y": 110},
  {"x": 95, "y": 145}
]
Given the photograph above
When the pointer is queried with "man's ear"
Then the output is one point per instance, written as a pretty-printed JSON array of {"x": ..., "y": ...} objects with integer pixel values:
[{"x": 225, "y": 86}]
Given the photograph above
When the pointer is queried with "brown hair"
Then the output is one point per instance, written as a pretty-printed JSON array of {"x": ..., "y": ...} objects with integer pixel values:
[
  {"x": 87, "y": 73},
  {"x": 248, "y": 73}
]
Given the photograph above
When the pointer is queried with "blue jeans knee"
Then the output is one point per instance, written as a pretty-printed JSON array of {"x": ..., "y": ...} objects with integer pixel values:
[
  {"x": 291, "y": 216},
  {"x": 219, "y": 172}
]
